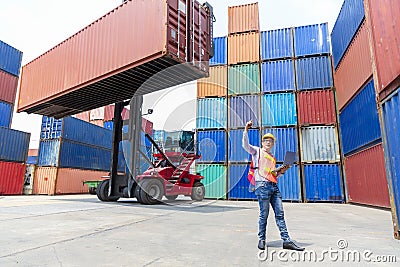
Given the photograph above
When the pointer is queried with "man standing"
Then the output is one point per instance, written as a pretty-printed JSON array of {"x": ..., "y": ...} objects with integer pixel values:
[{"x": 266, "y": 188}]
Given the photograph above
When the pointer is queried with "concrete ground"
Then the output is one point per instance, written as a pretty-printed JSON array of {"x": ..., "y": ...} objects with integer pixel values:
[{"x": 79, "y": 230}]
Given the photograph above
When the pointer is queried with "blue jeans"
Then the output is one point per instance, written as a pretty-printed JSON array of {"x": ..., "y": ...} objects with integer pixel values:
[{"x": 268, "y": 192}]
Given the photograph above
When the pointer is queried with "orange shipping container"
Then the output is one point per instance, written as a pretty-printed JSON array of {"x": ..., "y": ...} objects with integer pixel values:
[
  {"x": 215, "y": 84},
  {"x": 355, "y": 69},
  {"x": 243, "y": 18},
  {"x": 52, "y": 180},
  {"x": 243, "y": 48},
  {"x": 85, "y": 116}
]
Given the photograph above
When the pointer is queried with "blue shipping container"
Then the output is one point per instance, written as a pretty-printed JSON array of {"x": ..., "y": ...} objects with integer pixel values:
[
  {"x": 323, "y": 182},
  {"x": 311, "y": 40},
  {"x": 314, "y": 73},
  {"x": 32, "y": 160},
  {"x": 109, "y": 125},
  {"x": 278, "y": 76},
  {"x": 359, "y": 120},
  {"x": 278, "y": 109},
  {"x": 236, "y": 151},
  {"x": 289, "y": 184},
  {"x": 220, "y": 51},
  {"x": 277, "y": 44},
  {"x": 391, "y": 121},
  {"x": 14, "y": 145},
  {"x": 349, "y": 20},
  {"x": 286, "y": 140},
  {"x": 242, "y": 109},
  {"x": 10, "y": 59},
  {"x": 6, "y": 111},
  {"x": 211, "y": 113},
  {"x": 212, "y": 146}
]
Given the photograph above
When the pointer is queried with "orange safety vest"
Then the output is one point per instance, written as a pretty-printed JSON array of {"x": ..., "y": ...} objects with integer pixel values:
[{"x": 266, "y": 166}]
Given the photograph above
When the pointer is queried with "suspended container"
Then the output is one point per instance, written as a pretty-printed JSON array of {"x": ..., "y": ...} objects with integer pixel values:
[
  {"x": 322, "y": 182},
  {"x": 8, "y": 87},
  {"x": 244, "y": 48},
  {"x": 10, "y": 59},
  {"x": 314, "y": 73},
  {"x": 349, "y": 20},
  {"x": 6, "y": 112},
  {"x": 311, "y": 40},
  {"x": 277, "y": 44},
  {"x": 211, "y": 113},
  {"x": 212, "y": 146},
  {"x": 243, "y": 18},
  {"x": 244, "y": 79},
  {"x": 316, "y": 107},
  {"x": 359, "y": 121},
  {"x": 91, "y": 62},
  {"x": 214, "y": 181},
  {"x": 278, "y": 76},
  {"x": 216, "y": 85},
  {"x": 355, "y": 69},
  {"x": 278, "y": 109},
  {"x": 220, "y": 51},
  {"x": 242, "y": 109},
  {"x": 286, "y": 140},
  {"x": 366, "y": 177},
  {"x": 11, "y": 178},
  {"x": 319, "y": 143},
  {"x": 238, "y": 186},
  {"x": 235, "y": 148},
  {"x": 14, "y": 145}
]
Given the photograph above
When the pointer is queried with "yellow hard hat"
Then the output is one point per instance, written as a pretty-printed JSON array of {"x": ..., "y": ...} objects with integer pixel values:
[{"x": 269, "y": 135}]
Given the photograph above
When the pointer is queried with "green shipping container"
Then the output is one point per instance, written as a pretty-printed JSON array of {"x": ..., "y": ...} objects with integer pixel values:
[
  {"x": 214, "y": 179},
  {"x": 244, "y": 79}
]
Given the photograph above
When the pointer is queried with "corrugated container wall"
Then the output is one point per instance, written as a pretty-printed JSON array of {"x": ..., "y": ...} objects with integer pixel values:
[
  {"x": 84, "y": 116},
  {"x": 244, "y": 79},
  {"x": 242, "y": 109},
  {"x": 90, "y": 62},
  {"x": 366, "y": 177},
  {"x": 355, "y": 68},
  {"x": 214, "y": 179},
  {"x": 211, "y": 113},
  {"x": 350, "y": 17},
  {"x": 236, "y": 151},
  {"x": 238, "y": 184},
  {"x": 286, "y": 140},
  {"x": 391, "y": 125},
  {"x": 212, "y": 146},
  {"x": 276, "y": 44},
  {"x": 243, "y": 18},
  {"x": 6, "y": 111},
  {"x": 14, "y": 145},
  {"x": 109, "y": 113},
  {"x": 8, "y": 87},
  {"x": 319, "y": 143},
  {"x": 359, "y": 120},
  {"x": 11, "y": 178},
  {"x": 278, "y": 76},
  {"x": 244, "y": 48},
  {"x": 316, "y": 107},
  {"x": 215, "y": 85},
  {"x": 322, "y": 182},
  {"x": 278, "y": 109},
  {"x": 289, "y": 184},
  {"x": 384, "y": 20},
  {"x": 97, "y": 114},
  {"x": 311, "y": 40},
  {"x": 10, "y": 59},
  {"x": 220, "y": 51},
  {"x": 314, "y": 73}
]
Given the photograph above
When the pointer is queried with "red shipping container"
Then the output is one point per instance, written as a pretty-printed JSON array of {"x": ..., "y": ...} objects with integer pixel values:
[
  {"x": 109, "y": 113},
  {"x": 11, "y": 178},
  {"x": 110, "y": 60},
  {"x": 366, "y": 177},
  {"x": 384, "y": 22},
  {"x": 147, "y": 126},
  {"x": 85, "y": 116},
  {"x": 8, "y": 87},
  {"x": 355, "y": 68},
  {"x": 316, "y": 107}
]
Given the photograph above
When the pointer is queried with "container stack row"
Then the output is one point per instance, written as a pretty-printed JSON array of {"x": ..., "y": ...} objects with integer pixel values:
[
  {"x": 286, "y": 88},
  {"x": 13, "y": 144}
]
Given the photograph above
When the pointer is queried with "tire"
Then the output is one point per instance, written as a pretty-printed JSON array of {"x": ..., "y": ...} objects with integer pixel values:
[
  {"x": 102, "y": 192},
  {"x": 198, "y": 191},
  {"x": 152, "y": 191},
  {"x": 173, "y": 197},
  {"x": 138, "y": 190},
  {"x": 92, "y": 190}
]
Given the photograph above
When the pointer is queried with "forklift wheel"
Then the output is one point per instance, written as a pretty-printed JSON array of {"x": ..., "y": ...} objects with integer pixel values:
[
  {"x": 198, "y": 191},
  {"x": 172, "y": 197},
  {"x": 152, "y": 191},
  {"x": 102, "y": 192},
  {"x": 92, "y": 190}
]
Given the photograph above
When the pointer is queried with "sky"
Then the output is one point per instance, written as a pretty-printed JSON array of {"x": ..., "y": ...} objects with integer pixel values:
[{"x": 35, "y": 26}]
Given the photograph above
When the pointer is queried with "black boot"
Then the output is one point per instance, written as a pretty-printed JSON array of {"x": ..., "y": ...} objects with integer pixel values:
[
  {"x": 292, "y": 246},
  {"x": 261, "y": 244}
]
